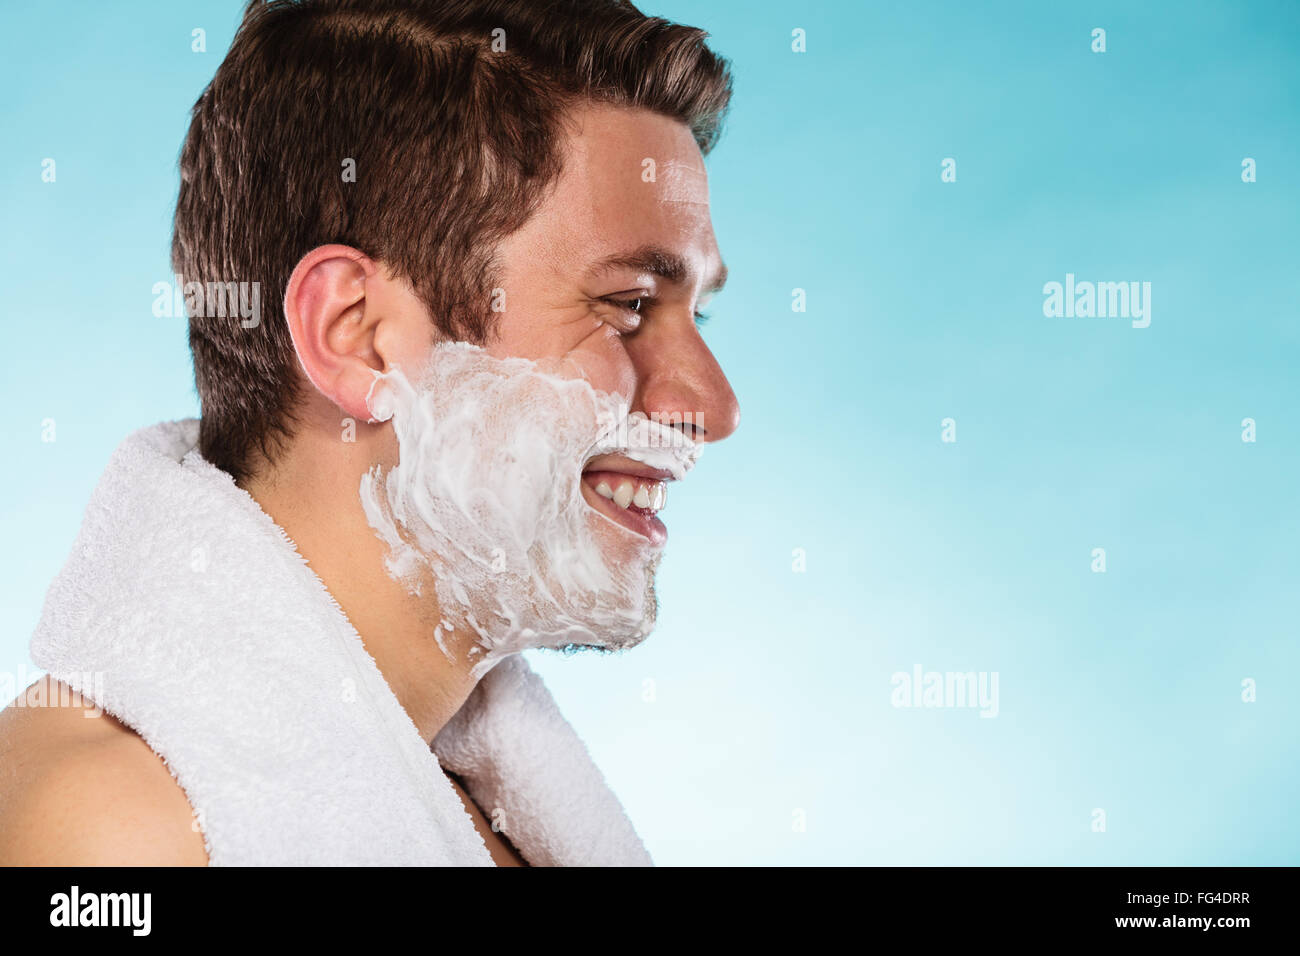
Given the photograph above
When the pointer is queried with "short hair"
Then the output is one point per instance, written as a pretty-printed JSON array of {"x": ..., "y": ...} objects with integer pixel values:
[{"x": 448, "y": 111}]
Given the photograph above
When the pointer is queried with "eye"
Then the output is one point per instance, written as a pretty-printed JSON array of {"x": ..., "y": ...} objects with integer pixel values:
[
  {"x": 634, "y": 308},
  {"x": 630, "y": 312}
]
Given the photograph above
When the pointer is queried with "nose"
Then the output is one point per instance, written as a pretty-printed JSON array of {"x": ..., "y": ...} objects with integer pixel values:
[{"x": 681, "y": 383}]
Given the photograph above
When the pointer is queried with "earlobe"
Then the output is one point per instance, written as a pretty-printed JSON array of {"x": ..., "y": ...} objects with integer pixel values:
[{"x": 332, "y": 321}]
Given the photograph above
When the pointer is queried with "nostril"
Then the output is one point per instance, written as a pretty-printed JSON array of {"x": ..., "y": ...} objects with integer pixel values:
[
  {"x": 692, "y": 429},
  {"x": 690, "y": 424}
]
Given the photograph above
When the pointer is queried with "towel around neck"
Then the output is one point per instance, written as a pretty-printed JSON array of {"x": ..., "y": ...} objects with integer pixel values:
[{"x": 188, "y": 614}]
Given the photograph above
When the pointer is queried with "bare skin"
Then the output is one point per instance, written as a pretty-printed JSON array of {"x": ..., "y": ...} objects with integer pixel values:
[
  {"x": 499, "y": 846},
  {"x": 86, "y": 791},
  {"x": 79, "y": 788}
]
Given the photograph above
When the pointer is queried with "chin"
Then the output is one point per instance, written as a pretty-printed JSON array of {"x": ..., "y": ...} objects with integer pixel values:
[{"x": 622, "y": 617}]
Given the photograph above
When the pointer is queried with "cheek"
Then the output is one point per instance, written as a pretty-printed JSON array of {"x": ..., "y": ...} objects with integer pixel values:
[
  {"x": 602, "y": 359},
  {"x": 576, "y": 346}
]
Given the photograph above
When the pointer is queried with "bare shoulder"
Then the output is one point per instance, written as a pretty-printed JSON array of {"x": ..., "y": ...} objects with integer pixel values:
[{"x": 80, "y": 788}]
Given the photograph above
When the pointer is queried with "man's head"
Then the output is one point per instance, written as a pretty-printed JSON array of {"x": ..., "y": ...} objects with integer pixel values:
[
  {"x": 422, "y": 134},
  {"x": 526, "y": 176}
]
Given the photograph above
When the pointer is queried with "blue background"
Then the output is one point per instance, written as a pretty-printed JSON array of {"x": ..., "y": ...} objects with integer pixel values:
[{"x": 765, "y": 696}]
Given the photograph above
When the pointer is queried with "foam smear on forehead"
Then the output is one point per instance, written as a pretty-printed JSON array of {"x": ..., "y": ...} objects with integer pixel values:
[{"x": 484, "y": 503}]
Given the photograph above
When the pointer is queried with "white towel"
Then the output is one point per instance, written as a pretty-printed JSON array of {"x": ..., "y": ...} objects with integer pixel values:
[{"x": 187, "y": 613}]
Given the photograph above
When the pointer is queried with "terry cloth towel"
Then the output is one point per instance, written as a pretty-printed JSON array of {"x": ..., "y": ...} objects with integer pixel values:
[{"x": 189, "y": 615}]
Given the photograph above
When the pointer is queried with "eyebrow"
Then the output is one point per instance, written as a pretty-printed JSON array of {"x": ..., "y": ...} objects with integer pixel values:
[{"x": 658, "y": 261}]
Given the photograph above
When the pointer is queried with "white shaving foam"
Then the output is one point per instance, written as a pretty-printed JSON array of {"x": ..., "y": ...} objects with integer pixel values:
[{"x": 485, "y": 502}]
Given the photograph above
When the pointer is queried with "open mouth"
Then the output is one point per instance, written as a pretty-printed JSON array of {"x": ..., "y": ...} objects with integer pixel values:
[{"x": 628, "y": 493}]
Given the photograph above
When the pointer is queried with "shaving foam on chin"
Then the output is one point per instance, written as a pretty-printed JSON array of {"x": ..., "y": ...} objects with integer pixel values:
[{"x": 484, "y": 503}]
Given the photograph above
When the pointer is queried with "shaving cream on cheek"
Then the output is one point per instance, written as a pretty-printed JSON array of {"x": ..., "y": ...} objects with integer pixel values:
[{"x": 485, "y": 503}]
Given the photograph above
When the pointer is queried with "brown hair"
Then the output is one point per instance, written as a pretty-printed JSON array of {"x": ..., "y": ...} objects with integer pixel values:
[{"x": 454, "y": 141}]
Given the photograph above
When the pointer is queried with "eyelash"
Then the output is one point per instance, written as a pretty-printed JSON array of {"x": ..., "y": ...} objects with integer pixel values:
[{"x": 700, "y": 317}]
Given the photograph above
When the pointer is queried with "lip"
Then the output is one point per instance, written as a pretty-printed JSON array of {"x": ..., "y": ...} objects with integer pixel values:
[
  {"x": 644, "y": 523},
  {"x": 626, "y": 466}
]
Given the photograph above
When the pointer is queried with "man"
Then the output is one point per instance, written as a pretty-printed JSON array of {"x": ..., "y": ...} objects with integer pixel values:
[{"x": 310, "y": 603}]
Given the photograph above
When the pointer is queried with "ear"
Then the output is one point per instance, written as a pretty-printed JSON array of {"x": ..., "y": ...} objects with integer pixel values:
[{"x": 333, "y": 308}]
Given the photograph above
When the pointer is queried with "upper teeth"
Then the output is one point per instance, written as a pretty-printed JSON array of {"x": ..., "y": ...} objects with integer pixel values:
[
  {"x": 623, "y": 497},
  {"x": 649, "y": 494}
]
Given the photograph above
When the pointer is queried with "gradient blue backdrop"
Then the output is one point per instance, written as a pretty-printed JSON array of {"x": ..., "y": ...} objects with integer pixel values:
[{"x": 765, "y": 695}]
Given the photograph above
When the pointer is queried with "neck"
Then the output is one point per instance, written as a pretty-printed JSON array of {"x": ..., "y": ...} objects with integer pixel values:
[{"x": 313, "y": 496}]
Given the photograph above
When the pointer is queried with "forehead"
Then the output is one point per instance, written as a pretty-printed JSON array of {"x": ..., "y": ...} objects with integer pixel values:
[
  {"x": 618, "y": 148},
  {"x": 631, "y": 178}
]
